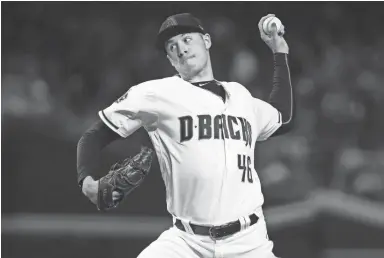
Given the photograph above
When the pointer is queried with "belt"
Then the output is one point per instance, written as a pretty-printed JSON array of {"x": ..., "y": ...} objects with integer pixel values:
[{"x": 217, "y": 231}]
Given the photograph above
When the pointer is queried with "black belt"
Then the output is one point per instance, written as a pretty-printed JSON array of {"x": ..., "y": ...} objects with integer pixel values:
[{"x": 217, "y": 231}]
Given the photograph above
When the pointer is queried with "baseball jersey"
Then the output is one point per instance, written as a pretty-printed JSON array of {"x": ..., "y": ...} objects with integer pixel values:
[{"x": 205, "y": 146}]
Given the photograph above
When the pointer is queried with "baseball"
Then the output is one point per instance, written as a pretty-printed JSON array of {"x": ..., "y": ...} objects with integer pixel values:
[{"x": 267, "y": 25}]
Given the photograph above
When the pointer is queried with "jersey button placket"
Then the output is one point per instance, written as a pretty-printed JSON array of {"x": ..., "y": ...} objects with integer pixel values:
[{"x": 226, "y": 103}]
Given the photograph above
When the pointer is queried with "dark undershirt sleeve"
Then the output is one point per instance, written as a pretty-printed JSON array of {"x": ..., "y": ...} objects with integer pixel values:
[
  {"x": 282, "y": 95},
  {"x": 89, "y": 149}
]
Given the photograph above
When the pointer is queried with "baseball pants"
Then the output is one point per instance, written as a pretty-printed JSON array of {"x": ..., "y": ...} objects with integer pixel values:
[{"x": 251, "y": 242}]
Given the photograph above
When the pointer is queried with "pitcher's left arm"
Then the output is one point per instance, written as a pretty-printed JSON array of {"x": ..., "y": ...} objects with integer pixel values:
[{"x": 282, "y": 96}]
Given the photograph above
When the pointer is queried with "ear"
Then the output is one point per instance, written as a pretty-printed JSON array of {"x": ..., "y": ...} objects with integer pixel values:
[{"x": 207, "y": 41}]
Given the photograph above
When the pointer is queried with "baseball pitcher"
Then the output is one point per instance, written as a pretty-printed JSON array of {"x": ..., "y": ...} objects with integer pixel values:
[{"x": 204, "y": 133}]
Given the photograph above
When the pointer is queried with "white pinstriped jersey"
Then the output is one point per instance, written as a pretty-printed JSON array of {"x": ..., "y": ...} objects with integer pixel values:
[{"x": 205, "y": 146}]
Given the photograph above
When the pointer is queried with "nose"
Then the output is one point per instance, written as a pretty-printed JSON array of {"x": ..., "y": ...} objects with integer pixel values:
[{"x": 181, "y": 50}]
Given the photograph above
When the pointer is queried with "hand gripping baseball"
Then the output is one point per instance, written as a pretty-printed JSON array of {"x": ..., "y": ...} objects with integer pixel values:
[
  {"x": 274, "y": 39},
  {"x": 123, "y": 178}
]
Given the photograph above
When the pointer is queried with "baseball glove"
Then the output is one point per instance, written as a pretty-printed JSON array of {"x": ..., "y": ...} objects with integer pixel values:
[{"x": 123, "y": 177}]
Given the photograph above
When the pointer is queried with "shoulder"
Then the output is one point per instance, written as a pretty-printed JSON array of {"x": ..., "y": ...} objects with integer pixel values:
[
  {"x": 242, "y": 91},
  {"x": 147, "y": 88},
  {"x": 153, "y": 87},
  {"x": 236, "y": 87}
]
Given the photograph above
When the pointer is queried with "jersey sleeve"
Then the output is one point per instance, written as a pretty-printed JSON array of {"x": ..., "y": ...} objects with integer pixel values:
[
  {"x": 268, "y": 117},
  {"x": 128, "y": 113}
]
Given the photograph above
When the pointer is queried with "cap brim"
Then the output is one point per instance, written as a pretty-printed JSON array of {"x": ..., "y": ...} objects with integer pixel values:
[{"x": 173, "y": 31}]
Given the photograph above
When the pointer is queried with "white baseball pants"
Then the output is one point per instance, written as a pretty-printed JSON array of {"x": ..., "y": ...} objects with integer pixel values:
[{"x": 251, "y": 242}]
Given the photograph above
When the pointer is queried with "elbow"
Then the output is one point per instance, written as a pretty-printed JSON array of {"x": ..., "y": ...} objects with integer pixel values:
[
  {"x": 88, "y": 136},
  {"x": 288, "y": 125},
  {"x": 285, "y": 128},
  {"x": 84, "y": 139},
  {"x": 81, "y": 141}
]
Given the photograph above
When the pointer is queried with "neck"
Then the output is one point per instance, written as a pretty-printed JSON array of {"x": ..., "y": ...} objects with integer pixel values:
[{"x": 206, "y": 74}]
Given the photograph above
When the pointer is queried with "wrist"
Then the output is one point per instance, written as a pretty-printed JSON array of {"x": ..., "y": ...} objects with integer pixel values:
[
  {"x": 88, "y": 182},
  {"x": 280, "y": 58},
  {"x": 281, "y": 51}
]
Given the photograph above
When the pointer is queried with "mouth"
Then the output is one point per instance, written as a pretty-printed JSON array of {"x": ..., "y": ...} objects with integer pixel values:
[{"x": 187, "y": 58}]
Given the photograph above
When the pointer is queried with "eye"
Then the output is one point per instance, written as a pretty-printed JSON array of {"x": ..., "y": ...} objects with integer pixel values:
[
  {"x": 187, "y": 39},
  {"x": 171, "y": 47}
]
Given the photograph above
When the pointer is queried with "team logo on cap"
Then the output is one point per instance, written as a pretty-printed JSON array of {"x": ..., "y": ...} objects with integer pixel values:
[{"x": 169, "y": 23}]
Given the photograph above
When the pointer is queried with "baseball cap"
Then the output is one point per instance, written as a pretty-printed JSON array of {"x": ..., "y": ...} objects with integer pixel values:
[{"x": 178, "y": 24}]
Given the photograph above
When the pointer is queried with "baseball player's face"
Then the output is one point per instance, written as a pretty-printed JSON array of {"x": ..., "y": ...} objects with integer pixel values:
[{"x": 189, "y": 53}]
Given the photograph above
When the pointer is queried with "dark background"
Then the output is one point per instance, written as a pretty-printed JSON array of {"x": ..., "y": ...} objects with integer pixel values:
[{"x": 64, "y": 61}]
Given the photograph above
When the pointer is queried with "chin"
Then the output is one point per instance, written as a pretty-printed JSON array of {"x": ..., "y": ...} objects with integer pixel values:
[{"x": 190, "y": 73}]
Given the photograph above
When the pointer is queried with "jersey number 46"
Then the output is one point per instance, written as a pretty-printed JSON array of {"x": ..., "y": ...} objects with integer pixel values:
[{"x": 244, "y": 163}]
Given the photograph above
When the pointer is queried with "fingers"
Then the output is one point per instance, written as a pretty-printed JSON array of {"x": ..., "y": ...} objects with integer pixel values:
[
  {"x": 274, "y": 30},
  {"x": 275, "y": 33},
  {"x": 262, "y": 21},
  {"x": 116, "y": 196},
  {"x": 260, "y": 25}
]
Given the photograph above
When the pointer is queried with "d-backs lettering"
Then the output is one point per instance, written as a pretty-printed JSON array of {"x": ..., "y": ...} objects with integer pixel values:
[{"x": 217, "y": 127}]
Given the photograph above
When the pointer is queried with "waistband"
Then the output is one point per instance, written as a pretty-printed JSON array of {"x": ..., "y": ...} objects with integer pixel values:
[{"x": 217, "y": 232}]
